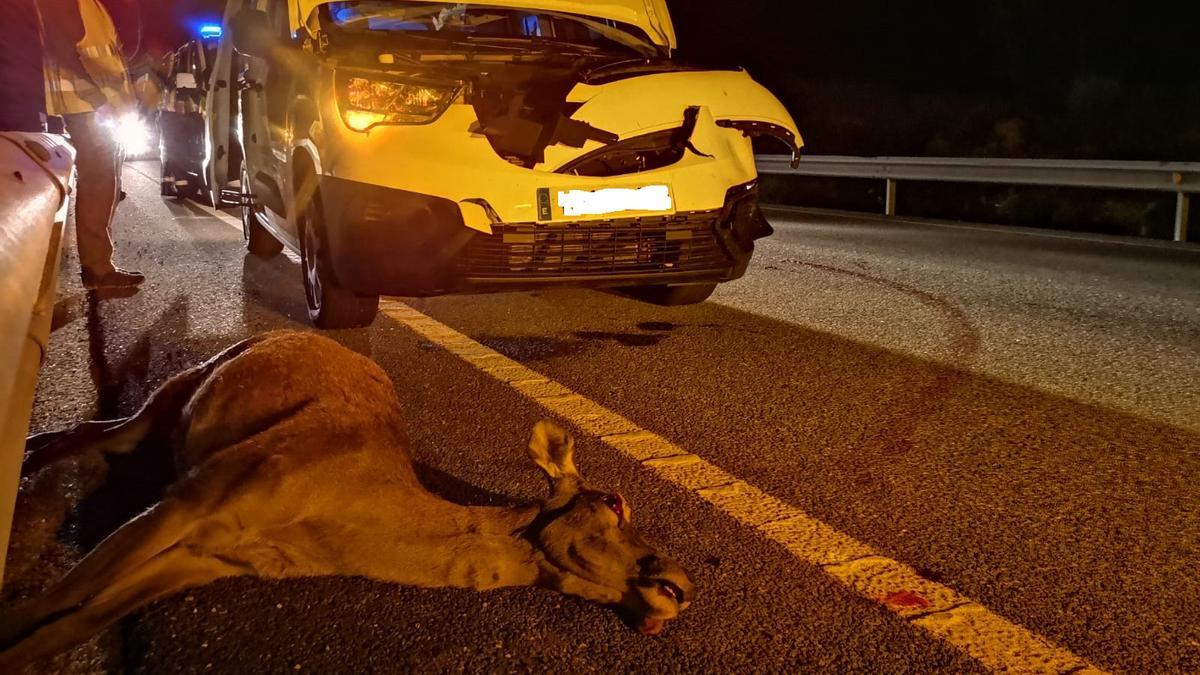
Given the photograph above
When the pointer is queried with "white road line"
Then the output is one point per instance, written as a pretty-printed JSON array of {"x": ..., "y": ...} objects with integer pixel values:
[
  {"x": 994, "y": 641},
  {"x": 215, "y": 213},
  {"x": 229, "y": 220}
]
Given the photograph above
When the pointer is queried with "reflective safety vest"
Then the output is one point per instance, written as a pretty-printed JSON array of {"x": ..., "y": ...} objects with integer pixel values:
[{"x": 104, "y": 79}]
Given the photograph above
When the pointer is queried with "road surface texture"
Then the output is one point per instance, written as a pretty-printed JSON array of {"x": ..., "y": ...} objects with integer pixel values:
[{"x": 1013, "y": 416}]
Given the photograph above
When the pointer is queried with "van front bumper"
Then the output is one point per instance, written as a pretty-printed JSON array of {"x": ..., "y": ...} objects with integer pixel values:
[{"x": 387, "y": 241}]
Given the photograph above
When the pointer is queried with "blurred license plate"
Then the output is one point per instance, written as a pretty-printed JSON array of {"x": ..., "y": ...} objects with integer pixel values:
[{"x": 578, "y": 203}]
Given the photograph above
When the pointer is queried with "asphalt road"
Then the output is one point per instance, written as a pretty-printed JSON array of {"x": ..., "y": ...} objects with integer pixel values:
[{"x": 1014, "y": 416}]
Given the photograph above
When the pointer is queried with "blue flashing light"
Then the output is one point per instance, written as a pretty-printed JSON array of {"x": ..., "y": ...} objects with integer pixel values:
[
  {"x": 210, "y": 30},
  {"x": 532, "y": 27}
]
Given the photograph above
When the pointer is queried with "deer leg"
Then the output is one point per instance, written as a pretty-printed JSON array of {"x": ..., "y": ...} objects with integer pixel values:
[
  {"x": 162, "y": 412},
  {"x": 123, "y": 550},
  {"x": 42, "y": 450},
  {"x": 187, "y": 505},
  {"x": 163, "y": 575},
  {"x": 163, "y": 409}
]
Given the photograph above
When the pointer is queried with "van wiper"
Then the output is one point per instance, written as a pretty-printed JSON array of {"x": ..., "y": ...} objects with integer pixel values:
[
  {"x": 640, "y": 66},
  {"x": 534, "y": 44},
  {"x": 457, "y": 42}
]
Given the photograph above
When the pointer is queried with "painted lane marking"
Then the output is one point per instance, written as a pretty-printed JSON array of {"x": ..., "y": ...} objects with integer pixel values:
[
  {"x": 235, "y": 223},
  {"x": 143, "y": 174},
  {"x": 992, "y": 640},
  {"x": 215, "y": 213},
  {"x": 989, "y": 638}
]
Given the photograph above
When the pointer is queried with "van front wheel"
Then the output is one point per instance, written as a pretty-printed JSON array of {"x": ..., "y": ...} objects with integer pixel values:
[{"x": 329, "y": 305}]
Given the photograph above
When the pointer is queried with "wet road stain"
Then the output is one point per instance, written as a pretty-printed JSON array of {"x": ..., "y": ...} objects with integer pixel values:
[
  {"x": 532, "y": 347},
  {"x": 535, "y": 347},
  {"x": 895, "y": 436}
]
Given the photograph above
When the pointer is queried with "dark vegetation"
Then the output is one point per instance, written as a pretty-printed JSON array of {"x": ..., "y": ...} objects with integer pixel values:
[{"x": 1097, "y": 79}]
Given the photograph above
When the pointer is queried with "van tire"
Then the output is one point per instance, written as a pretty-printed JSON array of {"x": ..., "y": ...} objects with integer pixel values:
[{"x": 329, "y": 305}]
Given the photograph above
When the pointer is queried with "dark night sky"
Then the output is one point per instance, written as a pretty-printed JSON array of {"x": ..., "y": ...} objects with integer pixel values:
[
  {"x": 982, "y": 44},
  {"x": 965, "y": 45},
  {"x": 165, "y": 23},
  {"x": 930, "y": 63}
]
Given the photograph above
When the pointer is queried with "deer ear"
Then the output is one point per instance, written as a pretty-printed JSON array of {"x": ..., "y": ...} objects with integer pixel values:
[{"x": 553, "y": 449}]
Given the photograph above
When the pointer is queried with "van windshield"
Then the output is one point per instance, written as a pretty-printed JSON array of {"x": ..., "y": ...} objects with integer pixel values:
[{"x": 461, "y": 22}]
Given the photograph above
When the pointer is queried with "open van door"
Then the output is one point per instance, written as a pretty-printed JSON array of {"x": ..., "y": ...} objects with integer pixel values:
[
  {"x": 221, "y": 106},
  {"x": 264, "y": 89}
]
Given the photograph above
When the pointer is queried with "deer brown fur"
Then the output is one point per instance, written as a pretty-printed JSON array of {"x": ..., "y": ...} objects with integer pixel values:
[{"x": 293, "y": 461}]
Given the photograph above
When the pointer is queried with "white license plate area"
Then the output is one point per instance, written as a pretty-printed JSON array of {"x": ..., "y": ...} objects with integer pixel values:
[{"x": 575, "y": 203}]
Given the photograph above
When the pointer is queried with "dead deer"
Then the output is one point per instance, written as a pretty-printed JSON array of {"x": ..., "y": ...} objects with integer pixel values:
[{"x": 290, "y": 471}]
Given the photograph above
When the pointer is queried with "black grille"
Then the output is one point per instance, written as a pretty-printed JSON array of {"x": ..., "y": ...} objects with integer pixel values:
[{"x": 684, "y": 242}]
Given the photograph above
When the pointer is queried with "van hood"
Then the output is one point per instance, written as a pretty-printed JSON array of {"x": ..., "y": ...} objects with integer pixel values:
[{"x": 649, "y": 15}]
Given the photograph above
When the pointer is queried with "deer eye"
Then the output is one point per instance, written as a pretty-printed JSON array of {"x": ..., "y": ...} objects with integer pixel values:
[
  {"x": 617, "y": 505},
  {"x": 671, "y": 591}
]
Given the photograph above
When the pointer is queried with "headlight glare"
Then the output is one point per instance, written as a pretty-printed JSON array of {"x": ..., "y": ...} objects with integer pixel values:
[
  {"x": 369, "y": 102},
  {"x": 130, "y": 133},
  {"x": 361, "y": 120}
]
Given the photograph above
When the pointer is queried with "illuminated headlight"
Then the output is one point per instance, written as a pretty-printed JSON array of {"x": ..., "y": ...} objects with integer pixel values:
[
  {"x": 367, "y": 102},
  {"x": 131, "y": 133}
]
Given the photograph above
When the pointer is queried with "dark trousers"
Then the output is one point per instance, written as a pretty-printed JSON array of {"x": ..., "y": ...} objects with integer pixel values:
[{"x": 98, "y": 159}]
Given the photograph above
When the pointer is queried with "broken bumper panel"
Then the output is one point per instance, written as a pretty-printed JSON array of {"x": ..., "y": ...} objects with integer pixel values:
[{"x": 394, "y": 242}]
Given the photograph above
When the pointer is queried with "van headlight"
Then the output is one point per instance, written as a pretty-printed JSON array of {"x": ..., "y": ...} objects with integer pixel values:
[
  {"x": 130, "y": 132},
  {"x": 370, "y": 101}
]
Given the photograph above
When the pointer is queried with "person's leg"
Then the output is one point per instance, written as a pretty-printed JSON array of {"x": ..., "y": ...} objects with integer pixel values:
[
  {"x": 98, "y": 159},
  {"x": 95, "y": 193}
]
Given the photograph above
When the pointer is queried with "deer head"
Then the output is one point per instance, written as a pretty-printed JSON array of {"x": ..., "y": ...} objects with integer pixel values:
[
  {"x": 590, "y": 547},
  {"x": 247, "y": 480}
]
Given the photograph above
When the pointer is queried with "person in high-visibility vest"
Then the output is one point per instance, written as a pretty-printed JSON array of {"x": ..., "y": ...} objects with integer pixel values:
[{"x": 87, "y": 84}]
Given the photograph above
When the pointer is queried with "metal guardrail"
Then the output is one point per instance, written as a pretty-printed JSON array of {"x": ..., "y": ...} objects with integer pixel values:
[
  {"x": 35, "y": 188},
  {"x": 1181, "y": 178}
]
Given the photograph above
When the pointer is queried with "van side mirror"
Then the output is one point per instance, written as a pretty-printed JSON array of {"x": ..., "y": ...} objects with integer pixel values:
[{"x": 252, "y": 34}]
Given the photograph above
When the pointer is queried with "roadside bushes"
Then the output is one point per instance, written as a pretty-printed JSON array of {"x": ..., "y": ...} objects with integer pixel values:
[{"x": 1093, "y": 117}]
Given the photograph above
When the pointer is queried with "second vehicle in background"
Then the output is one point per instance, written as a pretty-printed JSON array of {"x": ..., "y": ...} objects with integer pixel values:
[{"x": 185, "y": 147}]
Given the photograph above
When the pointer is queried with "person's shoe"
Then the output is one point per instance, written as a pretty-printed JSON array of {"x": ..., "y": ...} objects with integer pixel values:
[{"x": 118, "y": 278}]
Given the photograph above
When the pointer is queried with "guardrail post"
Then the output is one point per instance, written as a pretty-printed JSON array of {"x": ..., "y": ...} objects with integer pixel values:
[
  {"x": 889, "y": 199},
  {"x": 1182, "y": 207}
]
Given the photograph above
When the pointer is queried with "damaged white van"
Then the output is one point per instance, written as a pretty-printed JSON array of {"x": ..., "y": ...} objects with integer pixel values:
[{"x": 424, "y": 148}]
